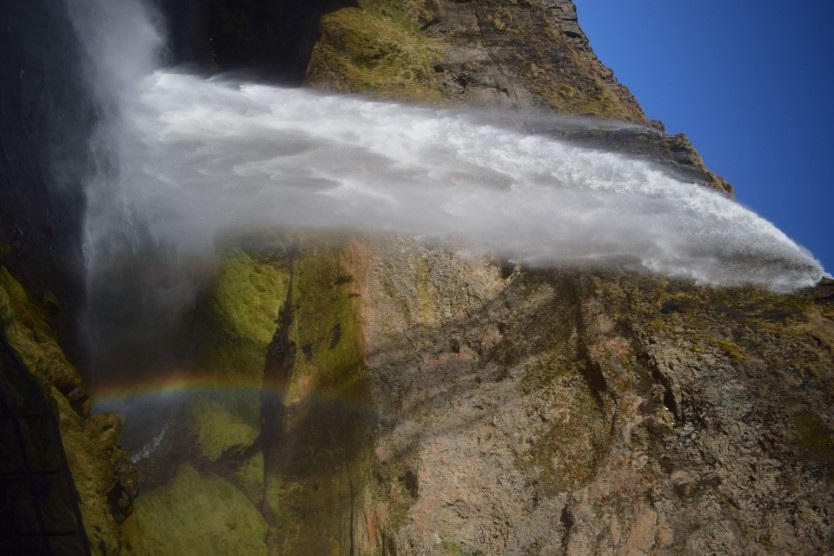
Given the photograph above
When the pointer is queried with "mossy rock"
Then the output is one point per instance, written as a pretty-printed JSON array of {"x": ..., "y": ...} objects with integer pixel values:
[
  {"x": 223, "y": 424},
  {"x": 90, "y": 453},
  {"x": 250, "y": 476},
  {"x": 377, "y": 50},
  {"x": 27, "y": 327},
  {"x": 240, "y": 320},
  {"x": 194, "y": 514},
  {"x": 102, "y": 473},
  {"x": 814, "y": 437},
  {"x": 450, "y": 548},
  {"x": 324, "y": 449},
  {"x": 326, "y": 324}
]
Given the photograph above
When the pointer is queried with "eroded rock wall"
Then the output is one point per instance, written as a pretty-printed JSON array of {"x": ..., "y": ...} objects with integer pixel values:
[
  {"x": 43, "y": 390},
  {"x": 583, "y": 413},
  {"x": 440, "y": 403},
  {"x": 430, "y": 402}
]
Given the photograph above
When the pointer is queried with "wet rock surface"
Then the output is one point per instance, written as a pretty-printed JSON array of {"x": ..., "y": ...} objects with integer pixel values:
[{"x": 46, "y": 117}]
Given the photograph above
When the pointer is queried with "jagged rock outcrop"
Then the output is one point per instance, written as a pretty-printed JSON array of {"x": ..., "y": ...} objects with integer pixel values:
[
  {"x": 525, "y": 54},
  {"x": 71, "y": 459}
]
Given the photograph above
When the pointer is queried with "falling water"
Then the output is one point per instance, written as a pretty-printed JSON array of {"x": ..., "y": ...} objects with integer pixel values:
[
  {"x": 179, "y": 158},
  {"x": 211, "y": 154}
]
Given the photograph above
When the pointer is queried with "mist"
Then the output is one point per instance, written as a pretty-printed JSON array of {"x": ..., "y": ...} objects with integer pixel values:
[{"x": 210, "y": 154}]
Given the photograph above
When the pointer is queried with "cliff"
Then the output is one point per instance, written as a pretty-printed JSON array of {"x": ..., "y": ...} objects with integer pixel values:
[
  {"x": 419, "y": 401},
  {"x": 82, "y": 484},
  {"x": 46, "y": 119},
  {"x": 514, "y": 55},
  {"x": 373, "y": 394},
  {"x": 65, "y": 484}
]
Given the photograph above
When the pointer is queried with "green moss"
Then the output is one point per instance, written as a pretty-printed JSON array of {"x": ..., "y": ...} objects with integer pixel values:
[
  {"x": 240, "y": 322},
  {"x": 13, "y": 288},
  {"x": 757, "y": 318},
  {"x": 406, "y": 14},
  {"x": 195, "y": 514},
  {"x": 377, "y": 50},
  {"x": 217, "y": 427},
  {"x": 814, "y": 436},
  {"x": 754, "y": 306},
  {"x": 50, "y": 301},
  {"x": 324, "y": 451},
  {"x": 592, "y": 99},
  {"x": 27, "y": 328},
  {"x": 733, "y": 351},
  {"x": 425, "y": 299},
  {"x": 625, "y": 385},
  {"x": 6, "y": 311},
  {"x": 90, "y": 452},
  {"x": 250, "y": 477},
  {"x": 450, "y": 548},
  {"x": 91, "y": 444},
  {"x": 326, "y": 319}
]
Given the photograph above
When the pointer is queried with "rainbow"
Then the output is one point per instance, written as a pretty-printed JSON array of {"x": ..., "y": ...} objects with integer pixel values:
[
  {"x": 181, "y": 385},
  {"x": 174, "y": 385}
]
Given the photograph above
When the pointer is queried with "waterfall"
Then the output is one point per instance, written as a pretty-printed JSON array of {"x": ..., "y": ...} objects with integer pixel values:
[
  {"x": 128, "y": 318},
  {"x": 210, "y": 154},
  {"x": 178, "y": 158}
]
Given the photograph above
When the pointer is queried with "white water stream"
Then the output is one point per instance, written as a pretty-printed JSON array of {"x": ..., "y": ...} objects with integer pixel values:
[{"x": 204, "y": 155}]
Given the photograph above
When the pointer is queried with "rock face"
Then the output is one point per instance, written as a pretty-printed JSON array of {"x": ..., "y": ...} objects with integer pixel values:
[
  {"x": 510, "y": 411},
  {"x": 589, "y": 414},
  {"x": 371, "y": 394},
  {"x": 46, "y": 116},
  {"x": 440, "y": 404},
  {"x": 521, "y": 54},
  {"x": 269, "y": 38},
  {"x": 71, "y": 459}
]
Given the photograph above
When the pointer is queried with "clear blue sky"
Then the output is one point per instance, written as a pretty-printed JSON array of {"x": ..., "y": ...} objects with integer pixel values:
[{"x": 750, "y": 83}]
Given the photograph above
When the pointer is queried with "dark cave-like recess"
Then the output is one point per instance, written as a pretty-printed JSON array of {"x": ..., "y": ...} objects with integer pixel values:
[{"x": 268, "y": 39}]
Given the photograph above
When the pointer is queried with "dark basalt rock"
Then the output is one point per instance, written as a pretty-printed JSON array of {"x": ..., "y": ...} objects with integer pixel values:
[
  {"x": 46, "y": 117},
  {"x": 271, "y": 38}
]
